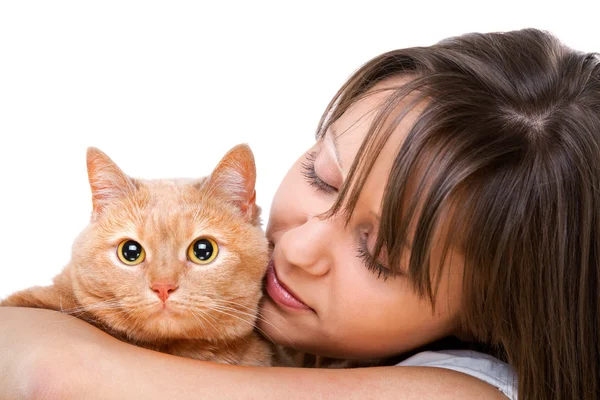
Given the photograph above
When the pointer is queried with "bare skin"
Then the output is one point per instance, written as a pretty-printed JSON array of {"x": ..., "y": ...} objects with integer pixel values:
[
  {"x": 340, "y": 309},
  {"x": 354, "y": 312},
  {"x": 48, "y": 355}
]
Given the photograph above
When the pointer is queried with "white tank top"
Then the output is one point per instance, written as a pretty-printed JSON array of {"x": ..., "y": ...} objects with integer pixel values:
[{"x": 479, "y": 365}]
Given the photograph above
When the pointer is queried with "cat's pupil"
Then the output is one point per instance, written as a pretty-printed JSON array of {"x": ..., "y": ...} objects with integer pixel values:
[
  {"x": 203, "y": 249},
  {"x": 131, "y": 250}
]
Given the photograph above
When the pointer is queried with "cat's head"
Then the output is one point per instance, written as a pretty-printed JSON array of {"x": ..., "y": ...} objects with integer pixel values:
[{"x": 172, "y": 259}]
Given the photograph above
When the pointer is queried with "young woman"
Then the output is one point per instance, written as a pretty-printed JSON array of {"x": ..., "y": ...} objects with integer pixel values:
[{"x": 447, "y": 216}]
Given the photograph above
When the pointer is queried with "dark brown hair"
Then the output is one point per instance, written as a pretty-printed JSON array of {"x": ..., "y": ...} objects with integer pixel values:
[{"x": 509, "y": 139}]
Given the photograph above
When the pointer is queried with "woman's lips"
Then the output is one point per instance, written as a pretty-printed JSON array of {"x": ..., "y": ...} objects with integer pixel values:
[{"x": 279, "y": 293}]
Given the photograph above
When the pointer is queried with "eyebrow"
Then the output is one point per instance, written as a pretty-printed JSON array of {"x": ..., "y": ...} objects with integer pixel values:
[{"x": 334, "y": 140}]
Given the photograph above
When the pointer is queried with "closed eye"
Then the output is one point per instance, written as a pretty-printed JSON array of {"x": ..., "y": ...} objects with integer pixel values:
[
  {"x": 309, "y": 173},
  {"x": 370, "y": 262}
]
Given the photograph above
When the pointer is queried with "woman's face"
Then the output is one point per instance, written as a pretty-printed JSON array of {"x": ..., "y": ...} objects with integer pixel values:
[{"x": 321, "y": 297}]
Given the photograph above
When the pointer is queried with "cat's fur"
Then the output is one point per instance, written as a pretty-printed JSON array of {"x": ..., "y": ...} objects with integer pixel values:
[{"x": 211, "y": 314}]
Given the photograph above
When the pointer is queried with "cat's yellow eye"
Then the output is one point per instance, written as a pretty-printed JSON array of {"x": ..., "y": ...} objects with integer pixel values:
[
  {"x": 202, "y": 251},
  {"x": 131, "y": 252}
]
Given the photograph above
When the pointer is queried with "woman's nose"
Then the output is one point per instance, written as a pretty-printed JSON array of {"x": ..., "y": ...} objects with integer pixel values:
[{"x": 309, "y": 246}]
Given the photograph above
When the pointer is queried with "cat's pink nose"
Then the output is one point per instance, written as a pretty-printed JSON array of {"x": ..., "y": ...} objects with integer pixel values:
[{"x": 163, "y": 290}]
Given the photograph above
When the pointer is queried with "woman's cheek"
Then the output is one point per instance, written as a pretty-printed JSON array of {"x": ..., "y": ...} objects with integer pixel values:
[{"x": 284, "y": 207}]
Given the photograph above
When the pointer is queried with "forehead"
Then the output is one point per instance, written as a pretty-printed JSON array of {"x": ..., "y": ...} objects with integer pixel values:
[
  {"x": 162, "y": 207},
  {"x": 169, "y": 192},
  {"x": 350, "y": 130},
  {"x": 171, "y": 212}
]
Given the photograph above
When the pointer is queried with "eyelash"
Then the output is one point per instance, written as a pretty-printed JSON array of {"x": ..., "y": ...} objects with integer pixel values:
[
  {"x": 371, "y": 264},
  {"x": 308, "y": 170}
]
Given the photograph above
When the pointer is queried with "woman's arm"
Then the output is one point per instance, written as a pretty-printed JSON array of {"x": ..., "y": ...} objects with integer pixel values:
[{"x": 45, "y": 354}]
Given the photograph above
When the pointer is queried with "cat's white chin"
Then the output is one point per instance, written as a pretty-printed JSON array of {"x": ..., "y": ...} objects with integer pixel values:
[
  {"x": 166, "y": 323},
  {"x": 165, "y": 311}
]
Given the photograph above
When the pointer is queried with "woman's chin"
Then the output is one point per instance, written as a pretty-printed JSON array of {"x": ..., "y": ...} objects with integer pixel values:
[
  {"x": 297, "y": 331},
  {"x": 274, "y": 325}
]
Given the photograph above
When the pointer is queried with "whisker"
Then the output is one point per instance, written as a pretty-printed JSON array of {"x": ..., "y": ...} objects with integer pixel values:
[
  {"x": 259, "y": 317},
  {"x": 245, "y": 306},
  {"x": 222, "y": 308},
  {"x": 204, "y": 317}
]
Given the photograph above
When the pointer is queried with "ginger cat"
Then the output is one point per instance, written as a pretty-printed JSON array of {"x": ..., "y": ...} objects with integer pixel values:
[{"x": 170, "y": 265}]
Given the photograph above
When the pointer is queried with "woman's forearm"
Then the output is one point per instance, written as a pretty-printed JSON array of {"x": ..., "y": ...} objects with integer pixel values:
[
  {"x": 138, "y": 373},
  {"x": 50, "y": 355},
  {"x": 36, "y": 346}
]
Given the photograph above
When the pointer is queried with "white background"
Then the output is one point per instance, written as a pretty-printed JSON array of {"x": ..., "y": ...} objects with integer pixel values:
[{"x": 166, "y": 88}]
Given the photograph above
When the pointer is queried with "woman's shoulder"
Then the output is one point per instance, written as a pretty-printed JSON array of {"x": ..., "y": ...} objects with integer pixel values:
[{"x": 479, "y": 365}]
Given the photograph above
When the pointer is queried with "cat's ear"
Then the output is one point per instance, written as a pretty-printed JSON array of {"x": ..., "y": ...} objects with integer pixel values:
[
  {"x": 107, "y": 181},
  {"x": 235, "y": 177}
]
